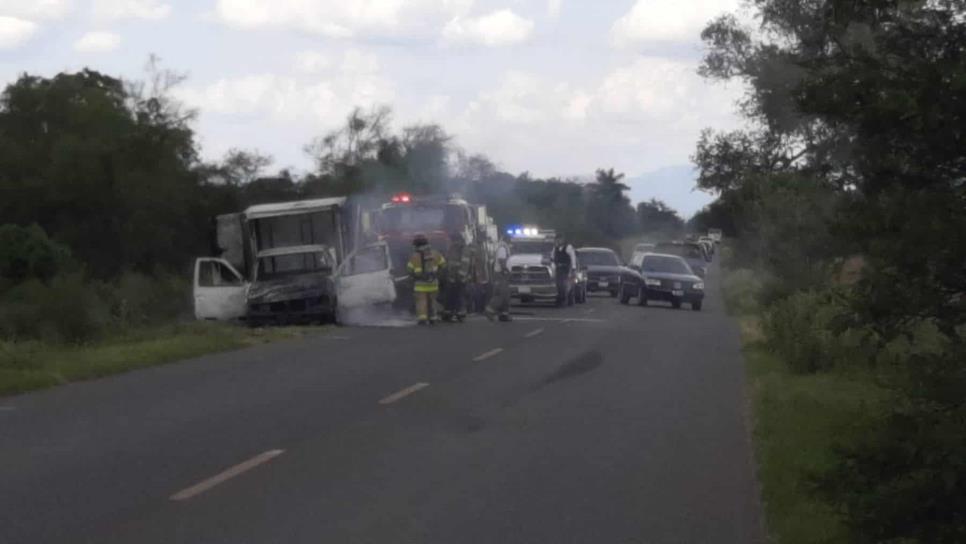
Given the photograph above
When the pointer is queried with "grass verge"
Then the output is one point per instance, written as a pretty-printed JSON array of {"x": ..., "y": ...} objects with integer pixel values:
[
  {"x": 798, "y": 420},
  {"x": 28, "y": 366}
]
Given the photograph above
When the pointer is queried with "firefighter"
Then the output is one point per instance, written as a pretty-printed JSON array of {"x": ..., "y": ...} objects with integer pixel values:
[
  {"x": 500, "y": 301},
  {"x": 478, "y": 284},
  {"x": 458, "y": 268},
  {"x": 425, "y": 266},
  {"x": 564, "y": 260}
]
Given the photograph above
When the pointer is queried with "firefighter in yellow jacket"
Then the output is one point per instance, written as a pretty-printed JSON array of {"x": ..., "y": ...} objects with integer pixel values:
[{"x": 425, "y": 266}]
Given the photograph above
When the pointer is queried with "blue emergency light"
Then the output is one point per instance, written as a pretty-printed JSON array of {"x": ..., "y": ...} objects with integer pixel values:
[{"x": 523, "y": 231}]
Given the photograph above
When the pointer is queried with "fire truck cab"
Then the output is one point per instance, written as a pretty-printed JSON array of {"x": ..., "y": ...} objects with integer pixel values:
[{"x": 438, "y": 217}]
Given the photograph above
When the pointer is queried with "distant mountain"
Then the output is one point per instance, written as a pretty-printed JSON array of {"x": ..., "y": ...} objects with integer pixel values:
[{"x": 674, "y": 185}]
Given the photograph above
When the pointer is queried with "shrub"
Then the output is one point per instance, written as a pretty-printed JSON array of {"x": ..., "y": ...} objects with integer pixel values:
[
  {"x": 138, "y": 299},
  {"x": 902, "y": 478},
  {"x": 67, "y": 309},
  {"x": 27, "y": 252},
  {"x": 742, "y": 291},
  {"x": 800, "y": 329}
]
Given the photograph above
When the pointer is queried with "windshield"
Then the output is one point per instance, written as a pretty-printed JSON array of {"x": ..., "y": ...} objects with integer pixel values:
[
  {"x": 423, "y": 218},
  {"x": 598, "y": 258},
  {"x": 279, "y": 266},
  {"x": 688, "y": 251},
  {"x": 532, "y": 247},
  {"x": 665, "y": 264}
]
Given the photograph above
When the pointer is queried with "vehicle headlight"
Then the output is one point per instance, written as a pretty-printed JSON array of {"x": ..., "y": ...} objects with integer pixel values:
[
  {"x": 652, "y": 282},
  {"x": 699, "y": 286}
]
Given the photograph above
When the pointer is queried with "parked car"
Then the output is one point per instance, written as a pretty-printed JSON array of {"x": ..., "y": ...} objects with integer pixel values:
[
  {"x": 580, "y": 284},
  {"x": 692, "y": 252},
  {"x": 603, "y": 268},
  {"x": 655, "y": 276},
  {"x": 642, "y": 248}
]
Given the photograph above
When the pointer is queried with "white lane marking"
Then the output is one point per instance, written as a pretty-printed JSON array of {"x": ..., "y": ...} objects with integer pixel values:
[
  {"x": 561, "y": 319},
  {"x": 337, "y": 338},
  {"x": 487, "y": 355},
  {"x": 592, "y": 310},
  {"x": 531, "y": 334},
  {"x": 226, "y": 475},
  {"x": 399, "y": 395}
]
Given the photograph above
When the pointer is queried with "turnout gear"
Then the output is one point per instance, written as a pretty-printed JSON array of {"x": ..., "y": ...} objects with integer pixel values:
[
  {"x": 458, "y": 269},
  {"x": 425, "y": 266},
  {"x": 500, "y": 301}
]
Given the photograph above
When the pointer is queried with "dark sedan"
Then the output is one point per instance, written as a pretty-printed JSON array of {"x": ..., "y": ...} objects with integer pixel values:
[
  {"x": 603, "y": 268},
  {"x": 662, "y": 277},
  {"x": 692, "y": 252}
]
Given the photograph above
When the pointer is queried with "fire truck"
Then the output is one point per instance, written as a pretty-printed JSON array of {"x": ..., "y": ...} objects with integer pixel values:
[{"x": 438, "y": 217}]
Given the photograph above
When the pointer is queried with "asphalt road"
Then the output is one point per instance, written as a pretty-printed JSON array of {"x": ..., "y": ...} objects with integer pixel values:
[{"x": 595, "y": 424}]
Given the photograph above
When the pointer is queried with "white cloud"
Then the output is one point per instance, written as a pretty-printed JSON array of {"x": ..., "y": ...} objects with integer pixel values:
[
  {"x": 644, "y": 114},
  {"x": 554, "y": 7},
  {"x": 667, "y": 20},
  {"x": 324, "y": 97},
  {"x": 523, "y": 98},
  {"x": 496, "y": 29},
  {"x": 342, "y": 18},
  {"x": 114, "y": 10},
  {"x": 312, "y": 62},
  {"x": 35, "y": 9},
  {"x": 97, "y": 42},
  {"x": 15, "y": 32}
]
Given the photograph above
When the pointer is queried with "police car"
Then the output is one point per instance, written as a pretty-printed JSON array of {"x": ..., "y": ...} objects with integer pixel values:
[{"x": 531, "y": 268}]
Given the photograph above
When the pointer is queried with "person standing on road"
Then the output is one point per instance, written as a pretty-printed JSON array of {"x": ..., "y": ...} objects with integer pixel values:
[
  {"x": 458, "y": 265},
  {"x": 564, "y": 258},
  {"x": 425, "y": 266},
  {"x": 500, "y": 301},
  {"x": 478, "y": 283}
]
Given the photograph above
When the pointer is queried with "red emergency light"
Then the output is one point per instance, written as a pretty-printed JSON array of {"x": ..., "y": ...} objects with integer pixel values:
[{"x": 402, "y": 198}]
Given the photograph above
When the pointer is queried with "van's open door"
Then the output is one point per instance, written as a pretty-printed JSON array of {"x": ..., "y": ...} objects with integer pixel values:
[
  {"x": 220, "y": 291},
  {"x": 365, "y": 278}
]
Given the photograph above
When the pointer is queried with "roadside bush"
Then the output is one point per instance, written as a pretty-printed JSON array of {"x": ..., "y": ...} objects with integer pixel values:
[
  {"x": 16, "y": 356},
  {"x": 27, "y": 252},
  {"x": 902, "y": 478},
  {"x": 802, "y": 330},
  {"x": 742, "y": 291},
  {"x": 67, "y": 309},
  {"x": 139, "y": 299}
]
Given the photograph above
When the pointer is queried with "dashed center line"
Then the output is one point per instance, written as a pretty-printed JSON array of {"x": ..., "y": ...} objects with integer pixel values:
[
  {"x": 531, "y": 334},
  {"x": 487, "y": 355},
  {"x": 399, "y": 395},
  {"x": 226, "y": 475}
]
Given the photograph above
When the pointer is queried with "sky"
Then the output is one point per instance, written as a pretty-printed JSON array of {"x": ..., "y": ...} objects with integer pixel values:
[{"x": 552, "y": 87}]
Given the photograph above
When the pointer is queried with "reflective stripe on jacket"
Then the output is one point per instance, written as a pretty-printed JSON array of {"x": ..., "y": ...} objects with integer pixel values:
[{"x": 424, "y": 266}]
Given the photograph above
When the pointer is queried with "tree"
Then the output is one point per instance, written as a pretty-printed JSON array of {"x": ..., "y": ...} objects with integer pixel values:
[
  {"x": 609, "y": 208},
  {"x": 860, "y": 104},
  {"x": 104, "y": 167},
  {"x": 27, "y": 252},
  {"x": 240, "y": 166},
  {"x": 654, "y": 216}
]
